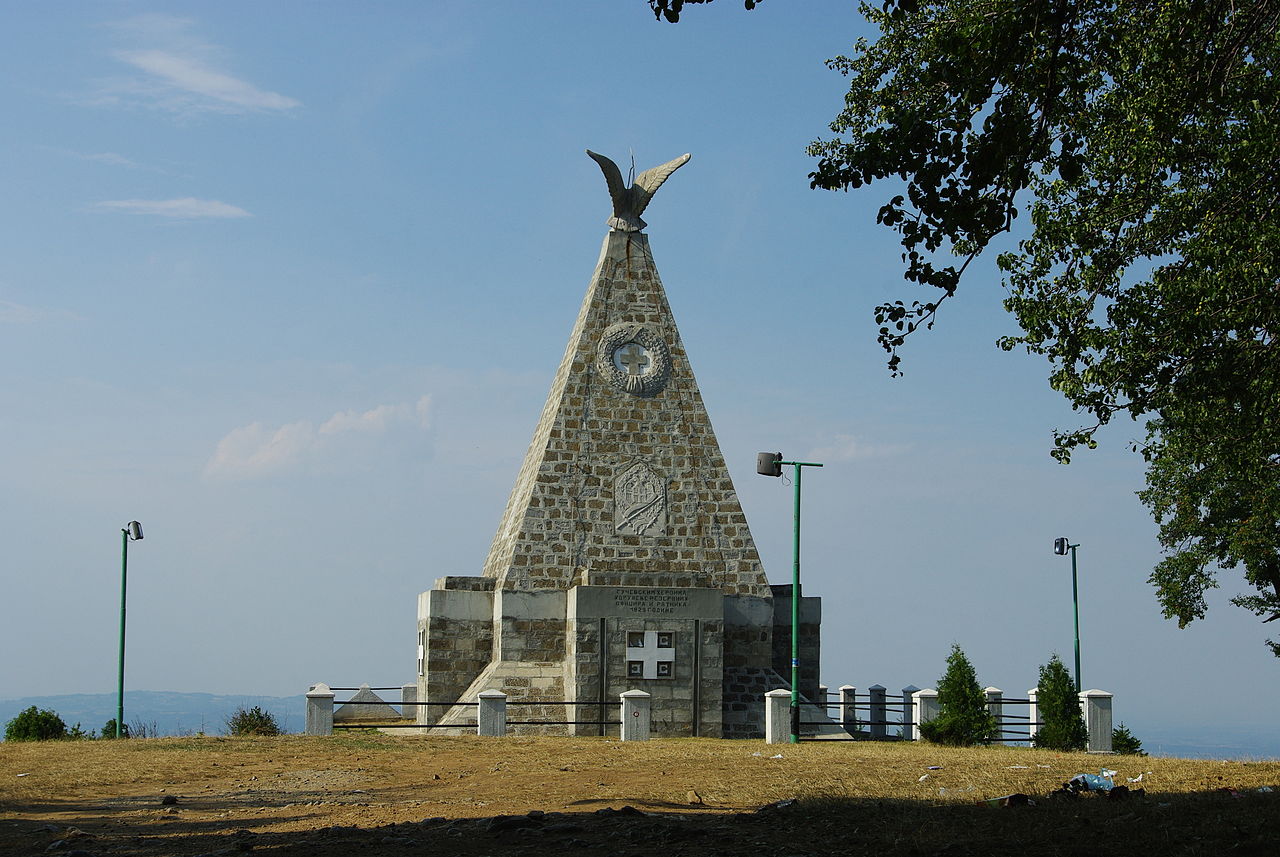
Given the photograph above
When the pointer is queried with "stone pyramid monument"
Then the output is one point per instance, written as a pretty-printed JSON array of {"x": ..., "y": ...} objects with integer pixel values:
[{"x": 623, "y": 559}]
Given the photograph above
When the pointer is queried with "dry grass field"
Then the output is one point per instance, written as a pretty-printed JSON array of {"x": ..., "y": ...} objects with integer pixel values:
[{"x": 369, "y": 793}]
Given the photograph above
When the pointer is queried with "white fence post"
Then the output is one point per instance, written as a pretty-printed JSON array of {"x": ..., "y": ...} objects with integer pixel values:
[
  {"x": 1033, "y": 712},
  {"x": 1097, "y": 719},
  {"x": 995, "y": 705},
  {"x": 777, "y": 716},
  {"x": 908, "y": 713},
  {"x": 848, "y": 708},
  {"x": 878, "y": 716},
  {"x": 319, "y": 710},
  {"x": 491, "y": 719},
  {"x": 926, "y": 705},
  {"x": 635, "y": 715}
]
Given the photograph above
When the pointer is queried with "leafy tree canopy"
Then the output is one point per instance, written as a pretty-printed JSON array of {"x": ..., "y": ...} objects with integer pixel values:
[
  {"x": 35, "y": 724},
  {"x": 1141, "y": 141},
  {"x": 671, "y": 9}
]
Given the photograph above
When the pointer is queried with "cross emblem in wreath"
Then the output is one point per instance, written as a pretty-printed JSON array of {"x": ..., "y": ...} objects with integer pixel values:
[{"x": 632, "y": 358}]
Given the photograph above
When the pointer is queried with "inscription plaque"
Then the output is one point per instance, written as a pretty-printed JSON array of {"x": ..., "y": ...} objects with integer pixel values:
[{"x": 650, "y": 602}]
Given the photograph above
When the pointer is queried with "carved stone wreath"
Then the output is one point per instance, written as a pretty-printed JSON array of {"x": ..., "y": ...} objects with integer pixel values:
[{"x": 634, "y": 359}]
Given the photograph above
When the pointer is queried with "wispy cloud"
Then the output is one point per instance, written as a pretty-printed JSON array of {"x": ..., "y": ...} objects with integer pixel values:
[
  {"x": 16, "y": 313},
  {"x": 258, "y": 450},
  {"x": 181, "y": 73},
  {"x": 110, "y": 158},
  {"x": 846, "y": 447},
  {"x": 188, "y": 208},
  {"x": 190, "y": 76}
]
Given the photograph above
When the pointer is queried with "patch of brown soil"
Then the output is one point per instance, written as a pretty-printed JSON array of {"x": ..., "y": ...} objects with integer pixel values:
[{"x": 534, "y": 796}]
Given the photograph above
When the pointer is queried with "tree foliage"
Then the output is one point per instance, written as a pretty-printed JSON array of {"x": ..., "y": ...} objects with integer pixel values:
[
  {"x": 1142, "y": 143},
  {"x": 670, "y": 9},
  {"x": 1058, "y": 704},
  {"x": 34, "y": 724},
  {"x": 963, "y": 717}
]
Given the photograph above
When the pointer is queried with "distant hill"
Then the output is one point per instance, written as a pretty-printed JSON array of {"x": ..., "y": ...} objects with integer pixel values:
[
  {"x": 165, "y": 712},
  {"x": 1234, "y": 741}
]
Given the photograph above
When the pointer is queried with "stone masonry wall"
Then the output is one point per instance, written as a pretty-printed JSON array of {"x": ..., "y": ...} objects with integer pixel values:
[
  {"x": 456, "y": 632},
  {"x": 672, "y": 699},
  {"x": 561, "y": 519}
]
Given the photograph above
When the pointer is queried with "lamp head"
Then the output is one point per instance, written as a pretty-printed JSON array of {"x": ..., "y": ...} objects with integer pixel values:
[
  {"x": 769, "y": 463},
  {"x": 135, "y": 531},
  {"x": 1060, "y": 547}
]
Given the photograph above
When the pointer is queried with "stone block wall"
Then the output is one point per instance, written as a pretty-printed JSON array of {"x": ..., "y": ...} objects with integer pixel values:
[
  {"x": 455, "y": 633},
  {"x": 697, "y": 680},
  {"x": 531, "y": 625},
  {"x": 566, "y": 516}
]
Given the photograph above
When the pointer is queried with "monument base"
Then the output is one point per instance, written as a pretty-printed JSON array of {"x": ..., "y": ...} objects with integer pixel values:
[{"x": 706, "y": 658}]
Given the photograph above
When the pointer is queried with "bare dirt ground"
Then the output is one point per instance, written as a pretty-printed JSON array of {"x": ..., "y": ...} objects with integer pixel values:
[{"x": 369, "y": 794}]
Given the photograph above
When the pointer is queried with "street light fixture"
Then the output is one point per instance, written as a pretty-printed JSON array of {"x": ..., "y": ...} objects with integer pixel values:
[
  {"x": 133, "y": 531},
  {"x": 770, "y": 464},
  {"x": 1060, "y": 547}
]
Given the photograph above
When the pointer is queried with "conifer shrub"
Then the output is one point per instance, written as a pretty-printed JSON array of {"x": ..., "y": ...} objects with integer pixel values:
[
  {"x": 252, "y": 721},
  {"x": 1125, "y": 742},
  {"x": 963, "y": 717},
  {"x": 75, "y": 733},
  {"x": 109, "y": 729},
  {"x": 35, "y": 725},
  {"x": 1059, "y": 705}
]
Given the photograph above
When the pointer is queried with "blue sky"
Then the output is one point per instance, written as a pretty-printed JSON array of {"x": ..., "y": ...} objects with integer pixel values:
[{"x": 288, "y": 283}]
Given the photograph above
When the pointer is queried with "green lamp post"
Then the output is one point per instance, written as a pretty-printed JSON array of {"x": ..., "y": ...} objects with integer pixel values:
[
  {"x": 131, "y": 532},
  {"x": 770, "y": 464},
  {"x": 1060, "y": 547}
]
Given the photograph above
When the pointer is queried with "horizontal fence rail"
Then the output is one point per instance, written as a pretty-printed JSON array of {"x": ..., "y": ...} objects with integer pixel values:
[
  {"x": 881, "y": 716},
  {"x": 392, "y": 704},
  {"x": 490, "y": 718},
  {"x": 848, "y": 715}
]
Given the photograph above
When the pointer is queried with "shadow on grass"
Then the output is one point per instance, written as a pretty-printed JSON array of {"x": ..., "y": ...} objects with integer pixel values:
[{"x": 1155, "y": 824}]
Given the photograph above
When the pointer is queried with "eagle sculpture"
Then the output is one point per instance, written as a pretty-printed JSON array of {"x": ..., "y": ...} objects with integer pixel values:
[{"x": 629, "y": 202}]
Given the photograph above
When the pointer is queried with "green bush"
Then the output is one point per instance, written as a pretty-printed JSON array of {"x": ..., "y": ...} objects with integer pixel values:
[
  {"x": 1123, "y": 741},
  {"x": 1059, "y": 705},
  {"x": 252, "y": 721},
  {"x": 109, "y": 729},
  {"x": 963, "y": 717},
  {"x": 33, "y": 725}
]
